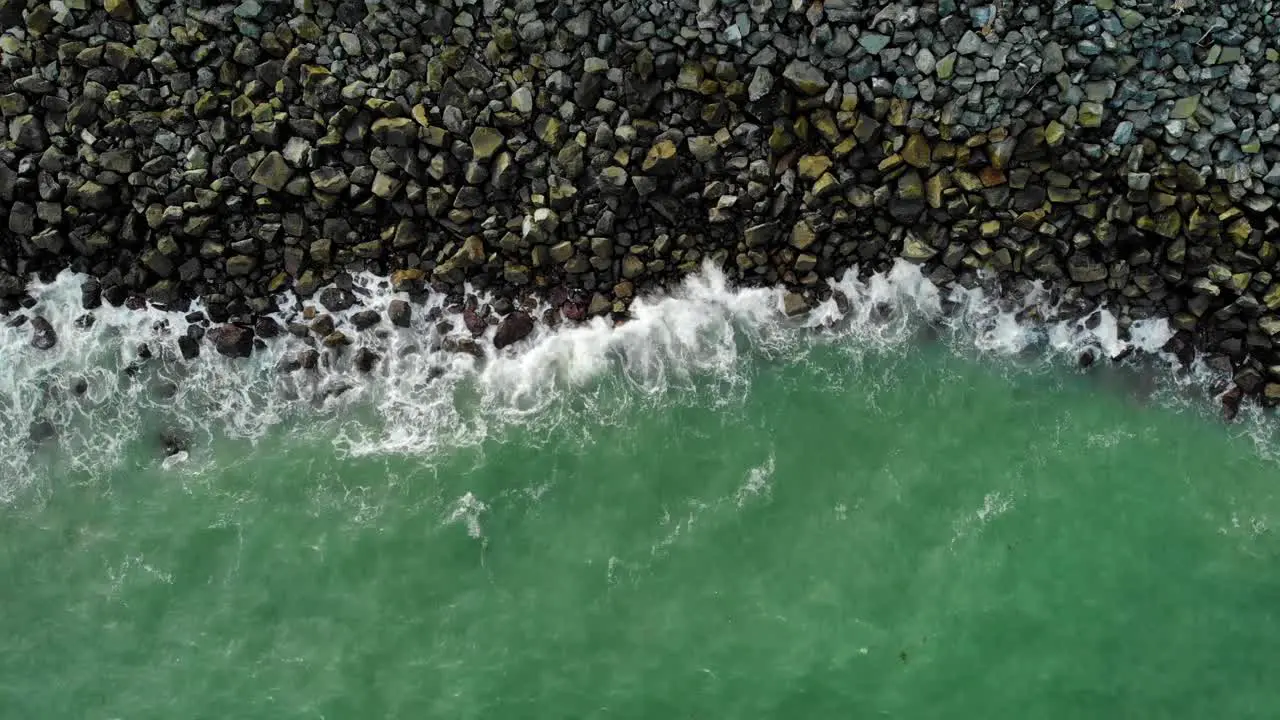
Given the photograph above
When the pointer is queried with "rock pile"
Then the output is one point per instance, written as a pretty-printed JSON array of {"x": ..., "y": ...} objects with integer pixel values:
[{"x": 590, "y": 150}]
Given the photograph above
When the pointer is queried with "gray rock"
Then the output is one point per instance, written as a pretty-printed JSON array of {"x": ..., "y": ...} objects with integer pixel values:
[
  {"x": 925, "y": 61},
  {"x": 761, "y": 84},
  {"x": 533, "y": 31},
  {"x": 969, "y": 43},
  {"x": 22, "y": 219},
  {"x": 873, "y": 43}
]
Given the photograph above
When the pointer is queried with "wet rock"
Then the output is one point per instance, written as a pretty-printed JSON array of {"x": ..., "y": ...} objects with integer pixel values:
[
  {"x": 336, "y": 299},
  {"x": 90, "y": 294},
  {"x": 465, "y": 345},
  {"x": 794, "y": 304},
  {"x": 514, "y": 327},
  {"x": 174, "y": 441},
  {"x": 399, "y": 313},
  {"x": 189, "y": 347},
  {"x": 234, "y": 341},
  {"x": 1230, "y": 401},
  {"x": 365, "y": 319},
  {"x": 43, "y": 336},
  {"x": 365, "y": 360}
]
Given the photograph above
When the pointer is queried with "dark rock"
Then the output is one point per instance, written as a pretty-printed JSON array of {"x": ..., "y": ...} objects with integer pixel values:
[
  {"x": 189, "y": 347},
  {"x": 234, "y": 341},
  {"x": 365, "y": 359},
  {"x": 365, "y": 319},
  {"x": 90, "y": 294},
  {"x": 337, "y": 299},
  {"x": 399, "y": 313},
  {"x": 43, "y": 336},
  {"x": 474, "y": 322},
  {"x": 513, "y": 328},
  {"x": 266, "y": 327},
  {"x": 1230, "y": 401}
]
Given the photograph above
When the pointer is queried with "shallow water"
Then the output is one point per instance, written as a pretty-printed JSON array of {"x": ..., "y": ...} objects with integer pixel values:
[{"x": 705, "y": 512}]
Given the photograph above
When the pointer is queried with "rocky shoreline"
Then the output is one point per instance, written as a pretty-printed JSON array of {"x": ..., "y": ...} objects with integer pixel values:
[{"x": 586, "y": 152}]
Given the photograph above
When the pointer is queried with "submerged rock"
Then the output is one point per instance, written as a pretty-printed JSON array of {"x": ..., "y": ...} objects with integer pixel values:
[{"x": 365, "y": 359}]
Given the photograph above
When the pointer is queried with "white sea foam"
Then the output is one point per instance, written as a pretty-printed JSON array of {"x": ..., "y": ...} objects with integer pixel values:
[{"x": 422, "y": 399}]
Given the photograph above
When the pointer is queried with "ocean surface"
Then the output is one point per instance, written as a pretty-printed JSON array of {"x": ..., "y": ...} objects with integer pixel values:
[{"x": 707, "y": 512}]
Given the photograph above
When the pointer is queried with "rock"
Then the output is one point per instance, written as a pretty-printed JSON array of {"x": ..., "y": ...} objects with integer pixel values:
[
  {"x": 337, "y": 299},
  {"x": 465, "y": 345},
  {"x": 365, "y": 319},
  {"x": 1084, "y": 269},
  {"x": 27, "y": 132},
  {"x": 917, "y": 250},
  {"x": 234, "y": 341},
  {"x": 399, "y": 313},
  {"x": 240, "y": 265},
  {"x": 1090, "y": 114},
  {"x": 805, "y": 78},
  {"x": 632, "y": 267},
  {"x": 522, "y": 101},
  {"x": 1185, "y": 107},
  {"x": 395, "y": 132},
  {"x": 873, "y": 43},
  {"x": 485, "y": 141},
  {"x": 273, "y": 172},
  {"x": 760, "y": 235},
  {"x": 43, "y": 336},
  {"x": 189, "y": 347},
  {"x": 336, "y": 339},
  {"x": 794, "y": 304},
  {"x": 703, "y": 147},
  {"x": 917, "y": 152},
  {"x": 761, "y": 84},
  {"x": 91, "y": 294},
  {"x": 514, "y": 327},
  {"x": 661, "y": 158},
  {"x": 365, "y": 360},
  {"x": 802, "y": 236},
  {"x": 925, "y": 62},
  {"x": 266, "y": 328}
]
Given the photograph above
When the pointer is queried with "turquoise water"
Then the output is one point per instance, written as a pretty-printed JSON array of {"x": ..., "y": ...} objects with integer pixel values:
[{"x": 849, "y": 529}]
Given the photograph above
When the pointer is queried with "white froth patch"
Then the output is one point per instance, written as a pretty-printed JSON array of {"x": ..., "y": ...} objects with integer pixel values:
[
  {"x": 758, "y": 483},
  {"x": 423, "y": 400},
  {"x": 466, "y": 511},
  {"x": 971, "y": 524}
]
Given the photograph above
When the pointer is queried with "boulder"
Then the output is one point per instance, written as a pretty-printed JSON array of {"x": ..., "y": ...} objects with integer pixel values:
[
  {"x": 43, "y": 336},
  {"x": 399, "y": 313},
  {"x": 513, "y": 328},
  {"x": 234, "y": 341}
]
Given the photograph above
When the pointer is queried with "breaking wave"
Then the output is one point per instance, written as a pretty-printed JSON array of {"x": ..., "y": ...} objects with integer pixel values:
[{"x": 77, "y": 406}]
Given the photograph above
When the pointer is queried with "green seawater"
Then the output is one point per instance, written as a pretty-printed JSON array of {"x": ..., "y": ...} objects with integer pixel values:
[{"x": 911, "y": 533}]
